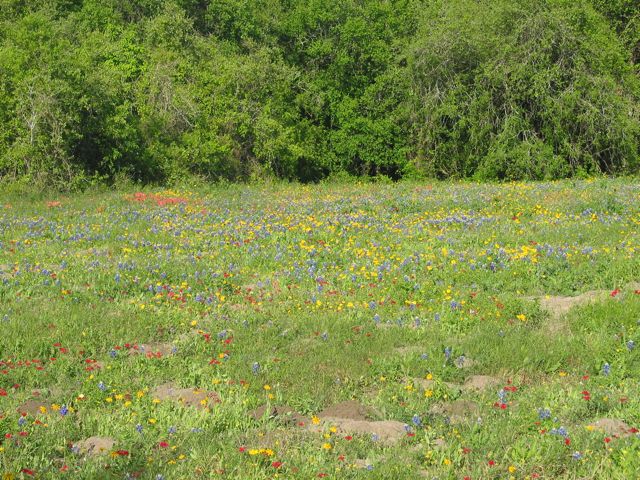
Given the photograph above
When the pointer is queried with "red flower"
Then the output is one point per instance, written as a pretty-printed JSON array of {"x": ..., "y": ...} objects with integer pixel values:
[
  {"x": 615, "y": 292},
  {"x": 242, "y": 449},
  {"x": 607, "y": 439},
  {"x": 3, "y": 392},
  {"x": 492, "y": 463},
  {"x": 27, "y": 471},
  {"x": 567, "y": 441},
  {"x": 348, "y": 437},
  {"x": 163, "y": 444},
  {"x": 322, "y": 475},
  {"x": 276, "y": 464},
  {"x": 122, "y": 453},
  {"x": 466, "y": 450}
]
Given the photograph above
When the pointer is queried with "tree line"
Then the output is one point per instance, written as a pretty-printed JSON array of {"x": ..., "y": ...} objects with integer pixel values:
[{"x": 96, "y": 90}]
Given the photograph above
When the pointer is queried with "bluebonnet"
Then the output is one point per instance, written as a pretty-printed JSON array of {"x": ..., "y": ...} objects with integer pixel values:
[
  {"x": 447, "y": 354},
  {"x": 576, "y": 456},
  {"x": 102, "y": 386},
  {"x": 631, "y": 345},
  {"x": 64, "y": 410},
  {"x": 139, "y": 428},
  {"x": 255, "y": 368},
  {"x": 559, "y": 431},
  {"x": 113, "y": 353},
  {"x": 22, "y": 421},
  {"x": 417, "y": 421},
  {"x": 172, "y": 430},
  {"x": 544, "y": 414},
  {"x": 325, "y": 336},
  {"x": 606, "y": 369}
]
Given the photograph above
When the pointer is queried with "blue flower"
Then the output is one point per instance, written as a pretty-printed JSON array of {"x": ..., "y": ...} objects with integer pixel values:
[
  {"x": 631, "y": 345},
  {"x": 139, "y": 428},
  {"x": 113, "y": 353},
  {"x": 255, "y": 368},
  {"x": 544, "y": 414},
  {"x": 417, "y": 421},
  {"x": 606, "y": 369},
  {"x": 102, "y": 386},
  {"x": 64, "y": 410}
]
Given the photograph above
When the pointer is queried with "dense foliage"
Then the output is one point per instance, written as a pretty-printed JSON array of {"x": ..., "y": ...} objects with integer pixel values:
[{"x": 92, "y": 90}]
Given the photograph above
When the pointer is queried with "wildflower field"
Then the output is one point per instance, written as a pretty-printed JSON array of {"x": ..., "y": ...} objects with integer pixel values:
[{"x": 367, "y": 331}]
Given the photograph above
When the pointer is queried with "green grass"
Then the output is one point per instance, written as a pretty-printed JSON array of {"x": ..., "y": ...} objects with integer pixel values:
[{"x": 337, "y": 292}]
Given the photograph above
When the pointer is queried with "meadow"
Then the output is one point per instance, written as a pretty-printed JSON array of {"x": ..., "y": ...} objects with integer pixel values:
[{"x": 365, "y": 331}]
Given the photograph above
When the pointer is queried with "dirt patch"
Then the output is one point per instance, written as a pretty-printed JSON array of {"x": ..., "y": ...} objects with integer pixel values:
[
  {"x": 559, "y": 306},
  {"x": 33, "y": 407},
  {"x": 154, "y": 350},
  {"x": 458, "y": 411},
  {"x": 284, "y": 414},
  {"x": 408, "y": 350},
  {"x": 426, "y": 384},
  {"x": 612, "y": 426},
  {"x": 189, "y": 397},
  {"x": 351, "y": 410},
  {"x": 386, "y": 431},
  {"x": 94, "y": 446},
  {"x": 464, "y": 362},
  {"x": 480, "y": 382}
]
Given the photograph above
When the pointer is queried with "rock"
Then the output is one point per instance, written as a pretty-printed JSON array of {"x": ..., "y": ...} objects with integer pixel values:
[
  {"x": 612, "y": 426},
  {"x": 190, "y": 397},
  {"x": 480, "y": 382},
  {"x": 458, "y": 411},
  {"x": 94, "y": 446}
]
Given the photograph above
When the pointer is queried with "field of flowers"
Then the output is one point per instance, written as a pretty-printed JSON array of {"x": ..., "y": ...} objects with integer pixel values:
[{"x": 351, "y": 331}]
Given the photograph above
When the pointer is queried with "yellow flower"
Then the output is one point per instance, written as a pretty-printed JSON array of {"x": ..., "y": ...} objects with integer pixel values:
[
  {"x": 152, "y": 421},
  {"x": 108, "y": 399},
  {"x": 315, "y": 420},
  {"x": 327, "y": 446},
  {"x": 155, "y": 401},
  {"x": 428, "y": 393},
  {"x": 267, "y": 387},
  {"x": 194, "y": 323},
  {"x": 43, "y": 409},
  {"x": 429, "y": 376},
  {"x": 140, "y": 394},
  {"x": 119, "y": 396},
  {"x": 521, "y": 317},
  {"x": 512, "y": 469},
  {"x": 447, "y": 461}
]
